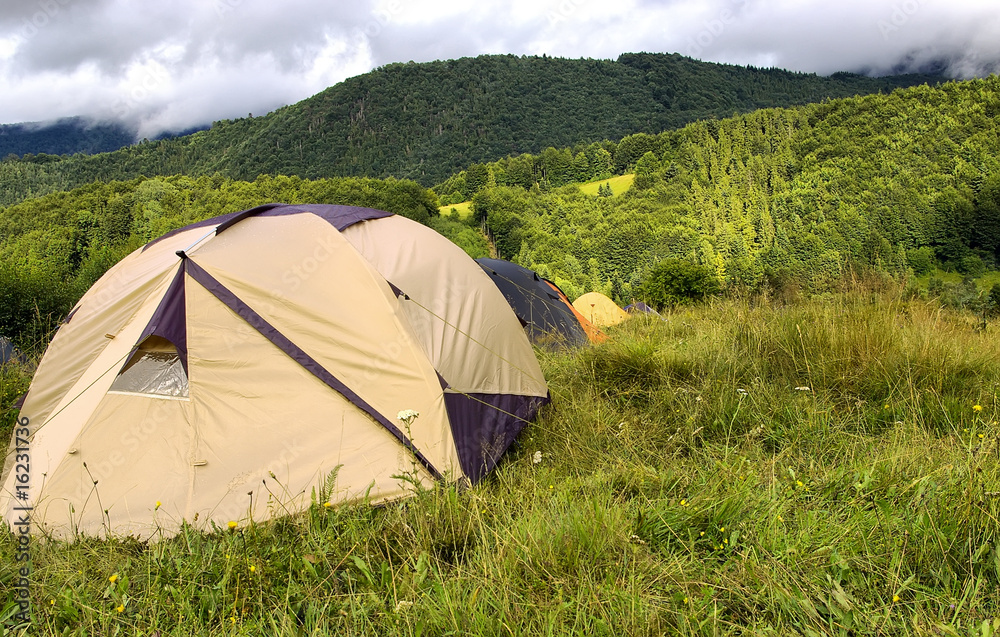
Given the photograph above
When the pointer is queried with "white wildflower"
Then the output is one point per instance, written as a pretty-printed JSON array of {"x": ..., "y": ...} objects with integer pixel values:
[
  {"x": 742, "y": 392},
  {"x": 403, "y": 605},
  {"x": 803, "y": 389},
  {"x": 537, "y": 458},
  {"x": 407, "y": 415}
]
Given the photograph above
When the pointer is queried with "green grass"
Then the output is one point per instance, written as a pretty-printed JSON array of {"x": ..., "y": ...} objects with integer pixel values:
[
  {"x": 618, "y": 184},
  {"x": 741, "y": 468},
  {"x": 463, "y": 209}
]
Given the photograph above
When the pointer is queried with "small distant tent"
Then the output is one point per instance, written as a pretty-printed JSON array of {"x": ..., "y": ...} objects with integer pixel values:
[
  {"x": 8, "y": 353},
  {"x": 599, "y": 309},
  {"x": 639, "y": 308},
  {"x": 548, "y": 316},
  {"x": 238, "y": 367}
]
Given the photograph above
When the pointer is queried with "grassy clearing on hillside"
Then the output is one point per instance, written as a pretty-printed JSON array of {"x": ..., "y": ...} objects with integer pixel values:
[
  {"x": 829, "y": 467},
  {"x": 463, "y": 209},
  {"x": 618, "y": 184}
]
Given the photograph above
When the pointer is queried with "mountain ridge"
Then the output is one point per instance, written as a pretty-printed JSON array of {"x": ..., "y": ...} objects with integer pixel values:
[{"x": 426, "y": 121}]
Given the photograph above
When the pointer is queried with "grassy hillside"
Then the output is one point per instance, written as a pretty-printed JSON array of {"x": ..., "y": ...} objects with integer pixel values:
[
  {"x": 821, "y": 468},
  {"x": 427, "y": 121}
]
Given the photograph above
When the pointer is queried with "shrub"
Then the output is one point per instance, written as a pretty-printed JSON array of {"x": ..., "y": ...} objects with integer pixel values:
[{"x": 675, "y": 282}]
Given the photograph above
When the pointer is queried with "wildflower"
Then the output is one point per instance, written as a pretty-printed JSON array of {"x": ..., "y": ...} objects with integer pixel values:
[
  {"x": 403, "y": 605},
  {"x": 799, "y": 484},
  {"x": 52, "y": 602},
  {"x": 684, "y": 503},
  {"x": 158, "y": 505},
  {"x": 536, "y": 458},
  {"x": 113, "y": 578},
  {"x": 685, "y": 600},
  {"x": 887, "y": 405},
  {"x": 550, "y": 486},
  {"x": 803, "y": 388},
  {"x": 121, "y": 608},
  {"x": 980, "y": 436},
  {"x": 702, "y": 534},
  {"x": 232, "y": 525},
  {"x": 895, "y": 598},
  {"x": 233, "y": 619},
  {"x": 407, "y": 415},
  {"x": 722, "y": 529},
  {"x": 780, "y": 519},
  {"x": 977, "y": 408},
  {"x": 327, "y": 505},
  {"x": 741, "y": 392},
  {"x": 253, "y": 569}
]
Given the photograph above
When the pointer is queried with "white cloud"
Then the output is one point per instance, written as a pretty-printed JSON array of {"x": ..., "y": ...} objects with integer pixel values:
[{"x": 178, "y": 63}]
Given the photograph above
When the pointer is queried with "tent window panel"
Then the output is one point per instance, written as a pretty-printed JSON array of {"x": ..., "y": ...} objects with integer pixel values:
[{"x": 156, "y": 369}]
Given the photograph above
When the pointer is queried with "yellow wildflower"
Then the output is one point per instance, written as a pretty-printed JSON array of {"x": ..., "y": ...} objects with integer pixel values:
[
  {"x": 977, "y": 408},
  {"x": 121, "y": 608},
  {"x": 113, "y": 578},
  {"x": 253, "y": 569},
  {"x": 895, "y": 598},
  {"x": 684, "y": 503},
  {"x": 232, "y": 525},
  {"x": 158, "y": 505}
]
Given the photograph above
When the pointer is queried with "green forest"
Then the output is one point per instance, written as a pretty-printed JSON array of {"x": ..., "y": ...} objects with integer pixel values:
[
  {"x": 55, "y": 247},
  {"x": 793, "y": 196},
  {"x": 427, "y": 121},
  {"x": 66, "y": 136}
]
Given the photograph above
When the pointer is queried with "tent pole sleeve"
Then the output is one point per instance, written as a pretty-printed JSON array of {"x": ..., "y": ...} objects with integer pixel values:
[{"x": 268, "y": 331}]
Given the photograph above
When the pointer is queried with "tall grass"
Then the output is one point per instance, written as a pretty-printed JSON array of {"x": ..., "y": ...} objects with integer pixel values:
[{"x": 738, "y": 468}]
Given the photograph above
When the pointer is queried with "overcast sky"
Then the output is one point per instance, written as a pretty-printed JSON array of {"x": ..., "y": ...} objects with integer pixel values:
[{"x": 173, "y": 64}]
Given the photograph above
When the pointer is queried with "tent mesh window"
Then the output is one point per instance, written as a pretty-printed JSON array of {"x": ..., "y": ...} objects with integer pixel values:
[{"x": 155, "y": 368}]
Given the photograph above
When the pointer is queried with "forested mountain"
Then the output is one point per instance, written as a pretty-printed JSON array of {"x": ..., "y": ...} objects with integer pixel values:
[
  {"x": 775, "y": 197},
  {"x": 427, "y": 121},
  {"x": 66, "y": 136}
]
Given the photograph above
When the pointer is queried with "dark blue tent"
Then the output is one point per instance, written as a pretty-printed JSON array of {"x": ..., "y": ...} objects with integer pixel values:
[{"x": 547, "y": 315}]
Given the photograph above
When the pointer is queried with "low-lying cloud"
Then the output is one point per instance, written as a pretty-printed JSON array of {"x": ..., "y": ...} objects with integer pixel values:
[{"x": 174, "y": 64}]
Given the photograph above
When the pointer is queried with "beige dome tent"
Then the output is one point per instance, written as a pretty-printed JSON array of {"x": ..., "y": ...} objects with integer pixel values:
[
  {"x": 234, "y": 368},
  {"x": 599, "y": 309}
]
